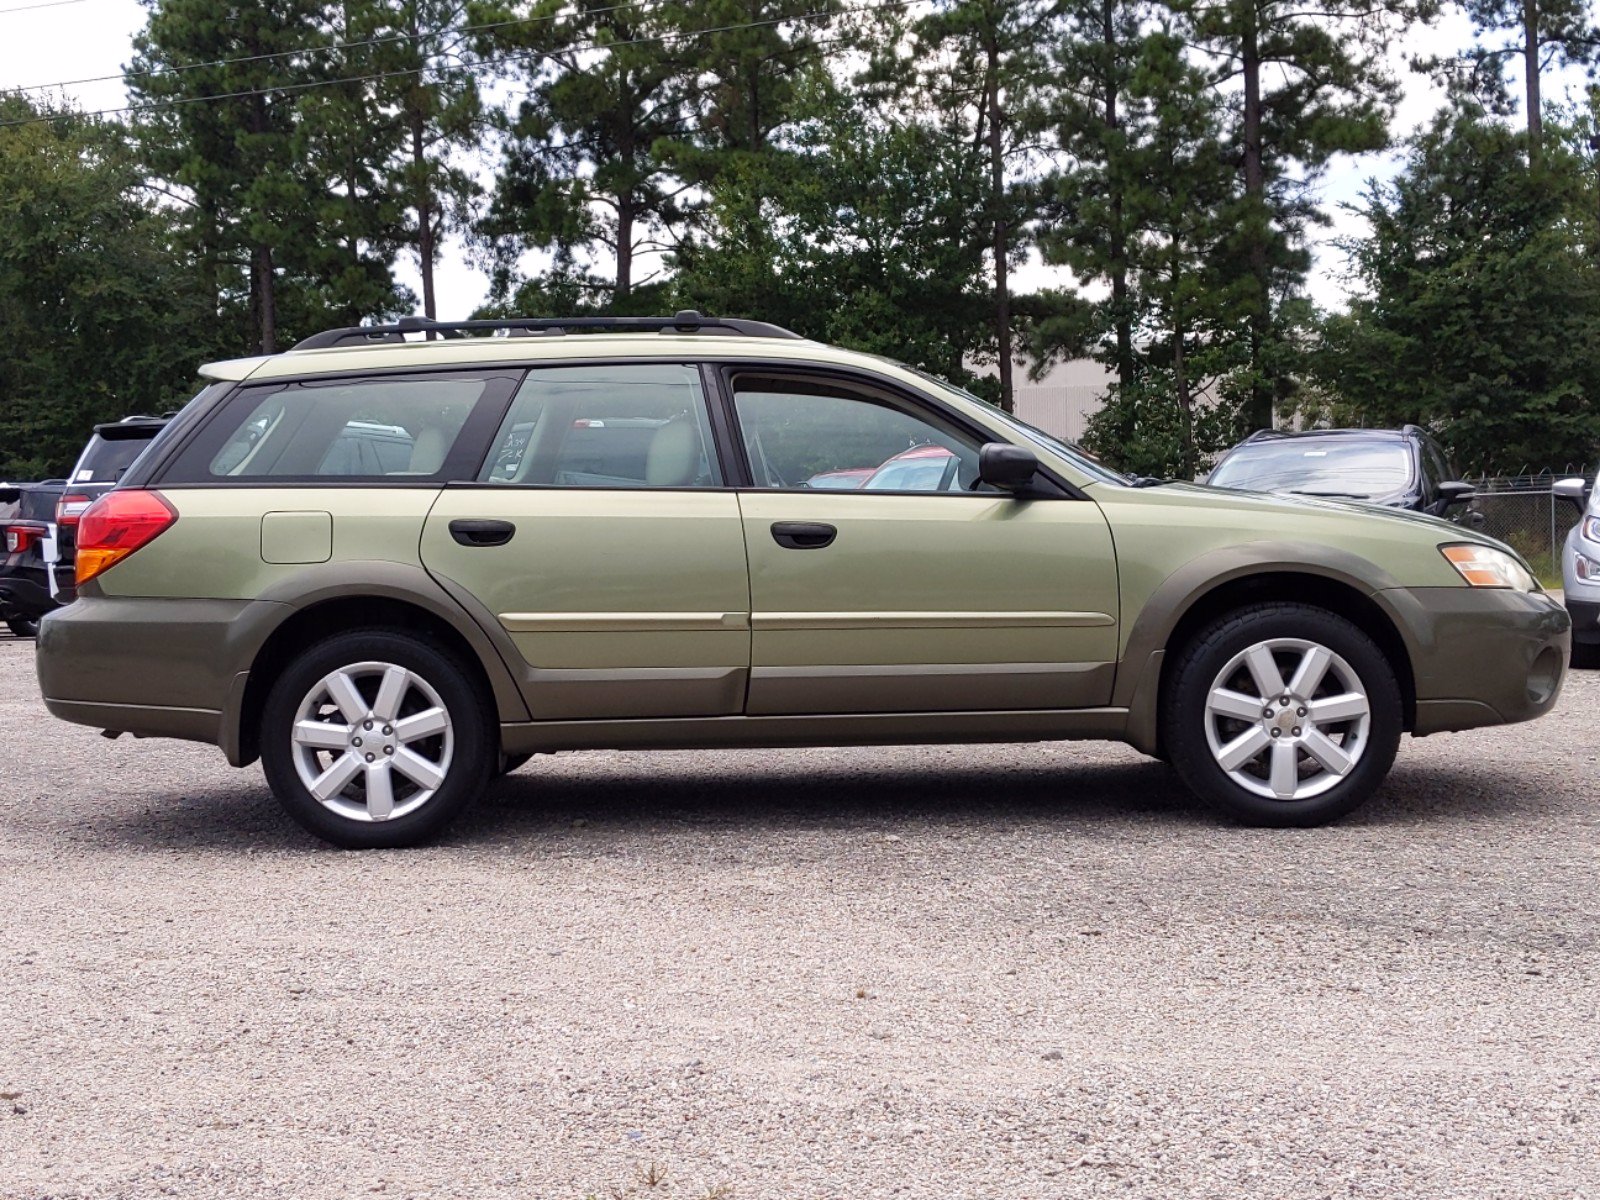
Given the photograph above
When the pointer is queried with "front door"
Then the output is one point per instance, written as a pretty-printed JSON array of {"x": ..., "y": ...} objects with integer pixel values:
[
  {"x": 881, "y": 581},
  {"x": 600, "y": 538}
]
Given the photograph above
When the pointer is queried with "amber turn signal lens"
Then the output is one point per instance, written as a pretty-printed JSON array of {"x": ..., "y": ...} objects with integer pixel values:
[
  {"x": 116, "y": 525},
  {"x": 1484, "y": 566}
]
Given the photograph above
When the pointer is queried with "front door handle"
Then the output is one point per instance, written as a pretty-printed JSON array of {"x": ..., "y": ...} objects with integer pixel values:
[
  {"x": 803, "y": 535},
  {"x": 482, "y": 533}
]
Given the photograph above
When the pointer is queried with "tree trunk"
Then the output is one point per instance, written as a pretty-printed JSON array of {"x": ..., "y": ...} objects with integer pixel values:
[
  {"x": 1002, "y": 234},
  {"x": 423, "y": 203},
  {"x": 1530, "y": 70},
  {"x": 264, "y": 300},
  {"x": 1259, "y": 409},
  {"x": 625, "y": 219},
  {"x": 1117, "y": 235}
]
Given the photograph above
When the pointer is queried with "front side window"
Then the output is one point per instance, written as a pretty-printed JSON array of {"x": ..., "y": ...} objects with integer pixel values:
[
  {"x": 807, "y": 434},
  {"x": 386, "y": 427},
  {"x": 626, "y": 425}
]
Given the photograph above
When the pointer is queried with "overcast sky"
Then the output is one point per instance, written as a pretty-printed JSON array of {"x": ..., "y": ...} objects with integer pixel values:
[{"x": 84, "y": 39}]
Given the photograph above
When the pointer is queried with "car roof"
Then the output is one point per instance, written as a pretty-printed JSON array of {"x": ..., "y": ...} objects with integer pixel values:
[{"x": 1269, "y": 436}]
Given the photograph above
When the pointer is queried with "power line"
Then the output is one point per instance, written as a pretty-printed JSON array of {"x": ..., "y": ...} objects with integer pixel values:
[
  {"x": 161, "y": 72},
  {"x": 44, "y": 4},
  {"x": 482, "y": 64}
]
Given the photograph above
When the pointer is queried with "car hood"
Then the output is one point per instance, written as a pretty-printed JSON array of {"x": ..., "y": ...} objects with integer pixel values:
[{"x": 1278, "y": 502}]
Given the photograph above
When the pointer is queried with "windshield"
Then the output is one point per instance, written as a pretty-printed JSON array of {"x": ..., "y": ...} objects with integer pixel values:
[
  {"x": 1071, "y": 451},
  {"x": 1323, "y": 466}
]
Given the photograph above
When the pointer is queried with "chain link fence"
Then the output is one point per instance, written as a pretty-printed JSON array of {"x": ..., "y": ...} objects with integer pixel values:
[{"x": 1524, "y": 512}]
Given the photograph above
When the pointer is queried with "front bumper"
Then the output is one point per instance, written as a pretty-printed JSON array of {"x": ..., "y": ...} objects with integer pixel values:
[
  {"x": 1585, "y": 616},
  {"x": 1482, "y": 656}
]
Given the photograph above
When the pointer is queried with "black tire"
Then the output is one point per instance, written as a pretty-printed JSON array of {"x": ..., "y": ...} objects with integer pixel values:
[
  {"x": 23, "y": 627},
  {"x": 1585, "y": 656},
  {"x": 474, "y": 728},
  {"x": 1188, "y": 687}
]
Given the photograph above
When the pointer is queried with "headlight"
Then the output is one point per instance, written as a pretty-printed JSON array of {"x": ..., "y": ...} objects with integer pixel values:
[
  {"x": 1591, "y": 528},
  {"x": 1484, "y": 566}
]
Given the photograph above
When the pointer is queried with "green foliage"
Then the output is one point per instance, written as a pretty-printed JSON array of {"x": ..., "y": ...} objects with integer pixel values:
[
  {"x": 277, "y": 168},
  {"x": 101, "y": 309},
  {"x": 864, "y": 208},
  {"x": 1483, "y": 312}
]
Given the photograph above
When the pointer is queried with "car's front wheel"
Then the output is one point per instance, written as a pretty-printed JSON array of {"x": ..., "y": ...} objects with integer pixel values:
[
  {"x": 23, "y": 627},
  {"x": 1282, "y": 714},
  {"x": 377, "y": 739}
]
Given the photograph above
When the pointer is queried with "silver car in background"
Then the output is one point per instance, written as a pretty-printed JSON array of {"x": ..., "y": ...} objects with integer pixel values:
[{"x": 1580, "y": 570}]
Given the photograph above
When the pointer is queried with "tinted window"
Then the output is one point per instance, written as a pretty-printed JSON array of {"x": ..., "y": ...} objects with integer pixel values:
[
  {"x": 1317, "y": 467},
  {"x": 797, "y": 431},
  {"x": 388, "y": 427},
  {"x": 105, "y": 459},
  {"x": 616, "y": 426}
]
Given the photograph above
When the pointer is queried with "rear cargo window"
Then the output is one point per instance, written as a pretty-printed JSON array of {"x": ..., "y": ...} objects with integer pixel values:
[
  {"x": 104, "y": 461},
  {"x": 390, "y": 427}
]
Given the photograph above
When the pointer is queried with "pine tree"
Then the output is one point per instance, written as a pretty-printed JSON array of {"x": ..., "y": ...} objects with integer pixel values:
[
  {"x": 580, "y": 174},
  {"x": 1308, "y": 81},
  {"x": 221, "y": 82},
  {"x": 981, "y": 67},
  {"x": 1541, "y": 33}
]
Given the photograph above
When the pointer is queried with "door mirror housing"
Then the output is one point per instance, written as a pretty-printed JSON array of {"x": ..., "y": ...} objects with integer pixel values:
[
  {"x": 1453, "y": 492},
  {"x": 1575, "y": 490},
  {"x": 1007, "y": 467}
]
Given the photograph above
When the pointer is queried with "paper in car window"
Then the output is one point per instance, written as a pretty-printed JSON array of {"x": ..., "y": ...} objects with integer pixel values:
[{"x": 85, "y": 476}]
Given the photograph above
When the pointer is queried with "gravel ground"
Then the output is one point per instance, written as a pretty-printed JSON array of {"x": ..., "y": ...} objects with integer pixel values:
[{"x": 1009, "y": 971}]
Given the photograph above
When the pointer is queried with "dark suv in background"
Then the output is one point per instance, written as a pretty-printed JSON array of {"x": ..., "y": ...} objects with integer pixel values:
[
  {"x": 1398, "y": 468},
  {"x": 39, "y": 522}
]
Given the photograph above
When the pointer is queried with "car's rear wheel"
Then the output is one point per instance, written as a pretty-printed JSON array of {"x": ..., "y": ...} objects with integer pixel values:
[
  {"x": 23, "y": 627},
  {"x": 1282, "y": 714},
  {"x": 377, "y": 739}
]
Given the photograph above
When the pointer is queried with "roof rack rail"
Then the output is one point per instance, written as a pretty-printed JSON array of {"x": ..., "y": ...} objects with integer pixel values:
[{"x": 686, "y": 321}]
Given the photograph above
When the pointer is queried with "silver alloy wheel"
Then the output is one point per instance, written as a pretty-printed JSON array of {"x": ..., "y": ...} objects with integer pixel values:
[
  {"x": 372, "y": 741},
  {"x": 1287, "y": 719}
]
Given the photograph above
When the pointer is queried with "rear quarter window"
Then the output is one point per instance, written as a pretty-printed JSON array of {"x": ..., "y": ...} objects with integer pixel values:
[{"x": 412, "y": 428}]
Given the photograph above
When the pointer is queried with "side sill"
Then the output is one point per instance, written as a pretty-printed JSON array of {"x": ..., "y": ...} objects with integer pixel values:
[{"x": 833, "y": 729}]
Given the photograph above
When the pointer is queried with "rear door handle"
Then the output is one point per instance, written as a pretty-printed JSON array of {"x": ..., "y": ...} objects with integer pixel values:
[
  {"x": 803, "y": 535},
  {"x": 482, "y": 533}
]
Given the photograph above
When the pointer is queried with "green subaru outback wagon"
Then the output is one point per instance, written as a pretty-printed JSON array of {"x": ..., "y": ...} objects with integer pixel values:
[{"x": 396, "y": 561}]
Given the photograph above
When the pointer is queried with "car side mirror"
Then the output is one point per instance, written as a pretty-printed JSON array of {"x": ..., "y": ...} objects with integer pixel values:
[
  {"x": 1454, "y": 492},
  {"x": 1574, "y": 489},
  {"x": 1007, "y": 467}
]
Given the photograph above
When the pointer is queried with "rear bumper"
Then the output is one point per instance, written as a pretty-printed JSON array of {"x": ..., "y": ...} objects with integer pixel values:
[
  {"x": 101, "y": 662},
  {"x": 25, "y": 592},
  {"x": 1482, "y": 656}
]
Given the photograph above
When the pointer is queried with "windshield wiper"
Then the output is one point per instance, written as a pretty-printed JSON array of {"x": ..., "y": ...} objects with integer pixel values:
[
  {"x": 1142, "y": 481},
  {"x": 1331, "y": 495}
]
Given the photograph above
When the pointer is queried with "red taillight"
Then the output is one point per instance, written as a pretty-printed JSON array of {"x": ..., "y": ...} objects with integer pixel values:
[
  {"x": 116, "y": 525},
  {"x": 20, "y": 538},
  {"x": 70, "y": 508}
]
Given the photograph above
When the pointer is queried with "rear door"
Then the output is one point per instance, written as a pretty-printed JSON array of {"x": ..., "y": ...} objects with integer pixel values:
[{"x": 601, "y": 537}]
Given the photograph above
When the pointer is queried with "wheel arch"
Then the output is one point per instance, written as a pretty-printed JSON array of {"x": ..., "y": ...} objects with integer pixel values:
[
  {"x": 1208, "y": 587},
  {"x": 354, "y": 596}
]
